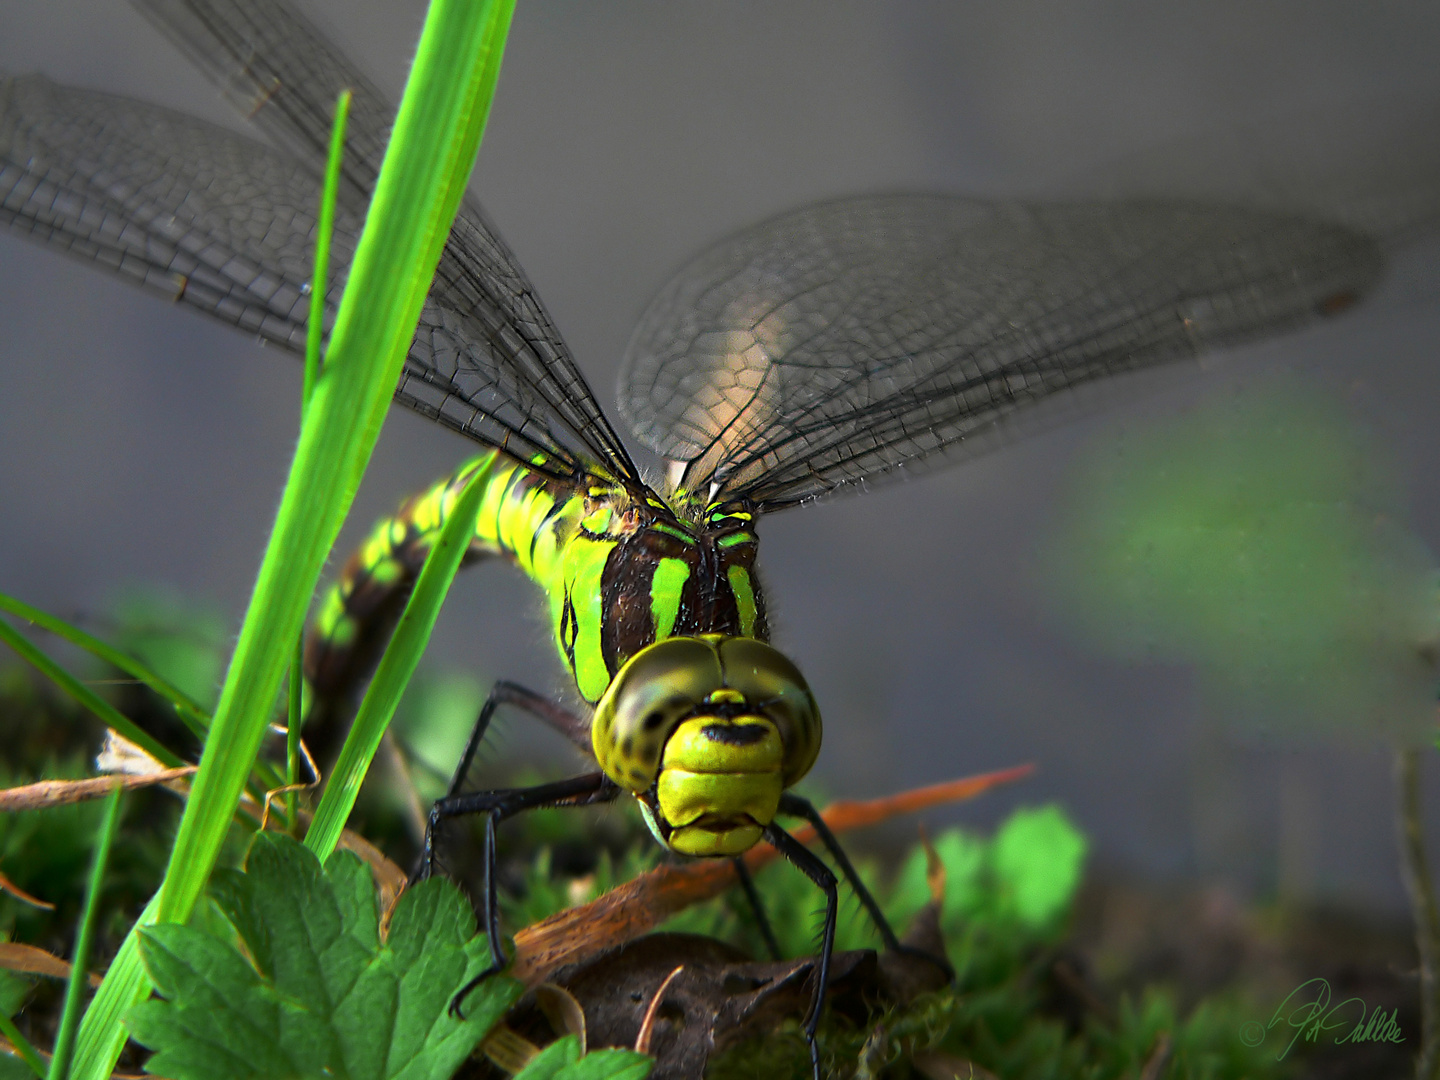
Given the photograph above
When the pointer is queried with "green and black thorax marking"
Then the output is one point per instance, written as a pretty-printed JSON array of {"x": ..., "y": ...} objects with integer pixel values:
[{"x": 620, "y": 569}]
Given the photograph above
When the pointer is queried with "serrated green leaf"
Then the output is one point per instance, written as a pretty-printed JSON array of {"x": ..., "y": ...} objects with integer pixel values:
[
  {"x": 316, "y": 993},
  {"x": 608, "y": 1065},
  {"x": 561, "y": 1060},
  {"x": 548, "y": 1063},
  {"x": 1037, "y": 855},
  {"x": 217, "y": 1021}
]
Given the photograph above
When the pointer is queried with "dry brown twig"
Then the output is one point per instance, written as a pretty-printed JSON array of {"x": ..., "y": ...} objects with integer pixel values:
[
  {"x": 28, "y": 960},
  {"x": 44, "y": 794},
  {"x": 630, "y": 910}
]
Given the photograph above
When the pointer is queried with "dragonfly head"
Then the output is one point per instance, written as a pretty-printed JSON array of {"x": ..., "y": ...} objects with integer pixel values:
[{"x": 707, "y": 732}]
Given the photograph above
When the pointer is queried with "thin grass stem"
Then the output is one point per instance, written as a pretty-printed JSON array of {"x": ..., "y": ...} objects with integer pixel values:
[
  {"x": 22, "y": 1047},
  {"x": 190, "y": 711},
  {"x": 70, "y": 1018},
  {"x": 107, "y": 713},
  {"x": 324, "y": 232},
  {"x": 407, "y": 645}
]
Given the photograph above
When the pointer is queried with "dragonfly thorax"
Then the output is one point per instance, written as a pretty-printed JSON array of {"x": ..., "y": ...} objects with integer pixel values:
[{"x": 707, "y": 732}]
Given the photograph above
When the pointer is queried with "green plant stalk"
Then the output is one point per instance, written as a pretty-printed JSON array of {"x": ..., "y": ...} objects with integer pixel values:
[
  {"x": 324, "y": 231},
  {"x": 431, "y": 152},
  {"x": 314, "y": 333},
  {"x": 22, "y": 1046},
  {"x": 428, "y": 159},
  {"x": 108, "y": 714},
  {"x": 187, "y": 708},
  {"x": 102, "y": 1033},
  {"x": 70, "y": 1018},
  {"x": 292, "y": 729},
  {"x": 1418, "y": 884},
  {"x": 397, "y": 665}
]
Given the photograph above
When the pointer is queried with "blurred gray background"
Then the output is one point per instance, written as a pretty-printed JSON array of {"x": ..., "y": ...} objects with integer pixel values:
[{"x": 140, "y": 443}]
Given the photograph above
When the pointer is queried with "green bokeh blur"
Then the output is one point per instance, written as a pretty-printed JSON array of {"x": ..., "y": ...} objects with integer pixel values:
[{"x": 1263, "y": 541}]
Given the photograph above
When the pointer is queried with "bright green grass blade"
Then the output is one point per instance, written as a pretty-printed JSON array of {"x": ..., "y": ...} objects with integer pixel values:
[
  {"x": 427, "y": 164},
  {"x": 22, "y": 1047},
  {"x": 324, "y": 230},
  {"x": 392, "y": 675},
  {"x": 101, "y": 1033},
  {"x": 314, "y": 331},
  {"x": 108, "y": 714},
  {"x": 191, "y": 712},
  {"x": 70, "y": 1017}
]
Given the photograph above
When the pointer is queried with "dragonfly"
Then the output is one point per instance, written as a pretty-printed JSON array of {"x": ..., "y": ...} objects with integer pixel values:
[{"x": 821, "y": 351}]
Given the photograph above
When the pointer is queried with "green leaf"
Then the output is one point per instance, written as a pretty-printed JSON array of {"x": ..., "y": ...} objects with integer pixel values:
[
  {"x": 14, "y": 989},
  {"x": 315, "y": 992},
  {"x": 1037, "y": 857},
  {"x": 546, "y": 1064},
  {"x": 561, "y": 1060},
  {"x": 608, "y": 1064}
]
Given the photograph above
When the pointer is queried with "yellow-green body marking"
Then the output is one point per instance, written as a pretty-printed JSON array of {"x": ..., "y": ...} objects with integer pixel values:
[{"x": 659, "y": 619}]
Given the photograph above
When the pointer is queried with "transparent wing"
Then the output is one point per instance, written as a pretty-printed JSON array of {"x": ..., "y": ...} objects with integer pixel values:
[
  {"x": 200, "y": 214},
  {"x": 226, "y": 224},
  {"x": 856, "y": 338}
]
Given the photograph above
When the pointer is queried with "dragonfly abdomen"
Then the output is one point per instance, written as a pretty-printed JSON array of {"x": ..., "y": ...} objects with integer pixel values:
[{"x": 521, "y": 515}]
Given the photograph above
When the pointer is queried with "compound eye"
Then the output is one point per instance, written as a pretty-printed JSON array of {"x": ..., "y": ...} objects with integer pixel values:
[
  {"x": 656, "y": 689},
  {"x": 775, "y": 689}
]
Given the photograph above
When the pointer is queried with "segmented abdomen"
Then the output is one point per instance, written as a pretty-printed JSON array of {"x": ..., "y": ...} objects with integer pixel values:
[{"x": 523, "y": 514}]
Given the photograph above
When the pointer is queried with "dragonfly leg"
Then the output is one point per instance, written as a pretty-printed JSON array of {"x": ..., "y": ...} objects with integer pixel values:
[
  {"x": 497, "y": 806},
  {"x": 573, "y": 727},
  {"x": 809, "y": 864},
  {"x": 794, "y": 806},
  {"x": 748, "y": 884}
]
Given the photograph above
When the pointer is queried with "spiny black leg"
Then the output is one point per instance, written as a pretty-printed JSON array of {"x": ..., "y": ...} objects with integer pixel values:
[
  {"x": 501, "y": 693},
  {"x": 557, "y": 716},
  {"x": 492, "y": 904},
  {"x": 748, "y": 884},
  {"x": 794, "y": 806},
  {"x": 477, "y": 736},
  {"x": 573, "y": 727},
  {"x": 810, "y": 865},
  {"x": 497, "y": 806}
]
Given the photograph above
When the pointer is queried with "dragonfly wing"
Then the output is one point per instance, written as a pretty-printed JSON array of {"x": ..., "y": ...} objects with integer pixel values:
[
  {"x": 225, "y": 224},
  {"x": 487, "y": 360},
  {"x": 198, "y": 213},
  {"x": 857, "y": 338}
]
